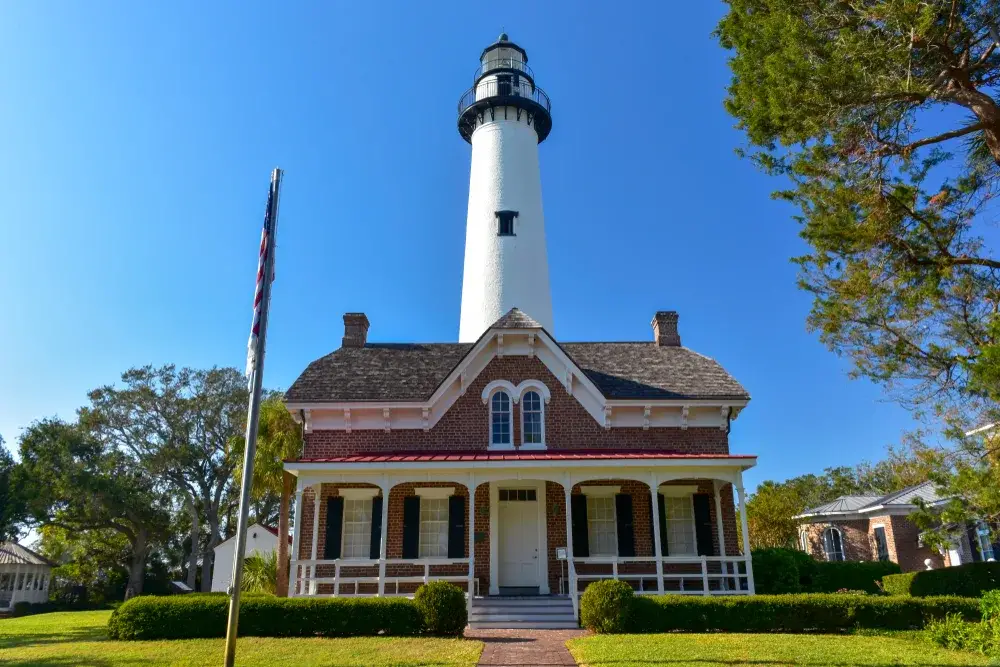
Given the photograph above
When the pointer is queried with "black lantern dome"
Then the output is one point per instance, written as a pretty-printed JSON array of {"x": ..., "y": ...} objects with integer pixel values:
[{"x": 503, "y": 83}]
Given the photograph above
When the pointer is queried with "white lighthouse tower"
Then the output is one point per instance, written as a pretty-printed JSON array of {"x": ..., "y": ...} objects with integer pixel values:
[{"x": 504, "y": 116}]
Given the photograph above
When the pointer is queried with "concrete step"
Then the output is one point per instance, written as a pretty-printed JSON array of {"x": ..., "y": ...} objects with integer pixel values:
[
  {"x": 527, "y": 625},
  {"x": 541, "y": 618},
  {"x": 514, "y": 612},
  {"x": 523, "y": 602}
]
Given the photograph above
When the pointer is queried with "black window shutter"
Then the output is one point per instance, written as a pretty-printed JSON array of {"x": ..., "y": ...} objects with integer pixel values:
[
  {"x": 376, "y": 543},
  {"x": 411, "y": 527},
  {"x": 662, "y": 505},
  {"x": 334, "y": 527},
  {"x": 456, "y": 526},
  {"x": 578, "y": 509},
  {"x": 703, "y": 524},
  {"x": 626, "y": 531}
]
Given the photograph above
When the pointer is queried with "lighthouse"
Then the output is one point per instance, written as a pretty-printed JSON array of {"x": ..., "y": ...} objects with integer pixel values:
[{"x": 504, "y": 116}]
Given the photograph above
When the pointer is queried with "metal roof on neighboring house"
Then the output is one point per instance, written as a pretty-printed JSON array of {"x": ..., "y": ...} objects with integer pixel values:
[
  {"x": 413, "y": 371},
  {"x": 926, "y": 491},
  {"x": 12, "y": 553}
]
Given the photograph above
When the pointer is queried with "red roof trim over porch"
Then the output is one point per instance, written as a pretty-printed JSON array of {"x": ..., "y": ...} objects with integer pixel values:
[{"x": 470, "y": 457}]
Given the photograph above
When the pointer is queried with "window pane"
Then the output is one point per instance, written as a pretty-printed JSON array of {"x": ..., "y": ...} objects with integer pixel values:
[
  {"x": 601, "y": 527},
  {"x": 680, "y": 526},
  {"x": 500, "y": 419},
  {"x": 832, "y": 545},
  {"x": 881, "y": 547},
  {"x": 433, "y": 528},
  {"x": 357, "y": 528},
  {"x": 531, "y": 410}
]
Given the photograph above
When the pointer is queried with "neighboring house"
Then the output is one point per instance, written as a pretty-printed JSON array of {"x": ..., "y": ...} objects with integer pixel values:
[
  {"x": 511, "y": 463},
  {"x": 865, "y": 528},
  {"x": 261, "y": 539},
  {"x": 25, "y": 576}
]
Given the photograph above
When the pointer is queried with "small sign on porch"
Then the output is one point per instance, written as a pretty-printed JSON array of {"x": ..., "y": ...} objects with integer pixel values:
[{"x": 560, "y": 553}]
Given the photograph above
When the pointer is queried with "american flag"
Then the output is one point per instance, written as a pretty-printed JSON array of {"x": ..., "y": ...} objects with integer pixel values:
[{"x": 266, "y": 250}]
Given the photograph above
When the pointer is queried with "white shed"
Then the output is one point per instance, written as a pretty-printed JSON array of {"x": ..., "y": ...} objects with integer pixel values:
[
  {"x": 24, "y": 576},
  {"x": 261, "y": 539}
]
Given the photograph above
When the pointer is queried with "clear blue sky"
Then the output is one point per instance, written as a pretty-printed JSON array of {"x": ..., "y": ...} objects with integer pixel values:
[{"x": 138, "y": 139}]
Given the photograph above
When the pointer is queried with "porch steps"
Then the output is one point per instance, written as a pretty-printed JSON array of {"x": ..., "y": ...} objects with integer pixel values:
[{"x": 545, "y": 612}]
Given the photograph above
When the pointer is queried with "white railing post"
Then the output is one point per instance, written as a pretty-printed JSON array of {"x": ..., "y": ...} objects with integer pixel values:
[
  {"x": 311, "y": 570},
  {"x": 614, "y": 568},
  {"x": 336, "y": 578},
  {"x": 568, "y": 488},
  {"x": 704, "y": 575},
  {"x": 746, "y": 536},
  {"x": 654, "y": 486},
  {"x": 293, "y": 579},
  {"x": 427, "y": 572}
]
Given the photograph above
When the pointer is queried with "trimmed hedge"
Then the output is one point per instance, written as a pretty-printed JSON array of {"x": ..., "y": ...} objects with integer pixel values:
[
  {"x": 777, "y": 571},
  {"x": 204, "y": 616},
  {"x": 773, "y": 613},
  {"x": 855, "y": 576},
  {"x": 606, "y": 606},
  {"x": 969, "y": 580},
  {"x": 442, "y": 606}
]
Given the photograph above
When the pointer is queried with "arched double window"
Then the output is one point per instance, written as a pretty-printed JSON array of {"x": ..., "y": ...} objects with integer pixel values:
[
  {"x": 532, "y": 419},
  {"x": 833, "y": 544},
  {"x": 500, "y": 422}
]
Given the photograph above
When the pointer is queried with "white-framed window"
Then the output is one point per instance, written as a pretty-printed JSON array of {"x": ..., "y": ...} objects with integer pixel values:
[
  {"x": 357, "y": 528},
  {"x": 500, "y": 423},
  {"x": 602, "y": 526},
  {"x": 532, "y": 419},
  {"x": 985, "y": 546},
  {"x": 433, "y": 527},
  {"x": 804, "y": 541},
  {"x": 833, "y": 544},
  {"x": 681, "y": 539},
  {"x": 881, "y": 543}
]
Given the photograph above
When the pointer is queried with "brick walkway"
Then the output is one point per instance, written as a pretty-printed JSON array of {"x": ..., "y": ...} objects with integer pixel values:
[{"x": 539, "y": 648}]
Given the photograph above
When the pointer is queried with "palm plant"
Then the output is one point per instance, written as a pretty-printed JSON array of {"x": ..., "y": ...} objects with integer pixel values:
[{"x": 260, "y": 573}]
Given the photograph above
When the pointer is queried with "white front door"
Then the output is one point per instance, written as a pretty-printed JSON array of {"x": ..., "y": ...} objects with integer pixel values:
[{"x": 518, "y": 543}]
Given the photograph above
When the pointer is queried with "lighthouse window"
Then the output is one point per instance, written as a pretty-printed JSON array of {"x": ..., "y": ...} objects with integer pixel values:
[
  {"x": 505, "y": 223},
  {"x": 505, "y": 85}
]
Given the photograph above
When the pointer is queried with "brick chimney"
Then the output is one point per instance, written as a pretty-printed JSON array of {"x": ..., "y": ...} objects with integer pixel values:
[
  {"x": 665, "y": 328},
  {"x": 355, "y": 330}
]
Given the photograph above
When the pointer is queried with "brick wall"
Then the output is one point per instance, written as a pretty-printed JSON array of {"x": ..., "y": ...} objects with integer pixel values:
[
  {"x": 465, "y": 426},
  {"x": 854, "y": 535},
  {"x": 901, "y": 536}
]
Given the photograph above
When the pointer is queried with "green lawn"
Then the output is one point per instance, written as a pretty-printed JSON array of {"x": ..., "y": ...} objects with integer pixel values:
[
  {"x": 705, "y": 650},
  {"x": 78, "y": 638}
]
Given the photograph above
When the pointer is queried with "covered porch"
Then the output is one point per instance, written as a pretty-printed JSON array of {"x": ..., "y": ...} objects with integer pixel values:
[
  {"x": 24, "y": 576},
  {"x": 539, "y": 523}
]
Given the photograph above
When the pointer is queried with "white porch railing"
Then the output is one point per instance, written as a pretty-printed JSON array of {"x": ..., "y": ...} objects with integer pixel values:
[
  {"x": 305, "y": 582},
  {"x": 727, "y": 577}
]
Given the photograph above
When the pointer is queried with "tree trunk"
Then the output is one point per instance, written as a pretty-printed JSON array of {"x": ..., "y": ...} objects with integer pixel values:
[
  {"x": 287, "y": 483},
  {"x": 137, "y": 568},
  {"x": 208, "y": 557},
  {"x": 192, "y": 573}
]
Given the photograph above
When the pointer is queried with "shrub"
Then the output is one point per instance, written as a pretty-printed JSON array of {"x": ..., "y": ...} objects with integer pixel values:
[
  {"x": 859, "y": 576},
  {"x": 607, "y": 607},
  {"x": 791, "y": 613},
  {"x": 970, "y": 580},
  {"x": 956, "y": 633},
  {"x": 776, "y": 571},
  {"x": 443, "y": 608},
  {"x": 990, "y": 606},
  {"x": 200, "y": 616},
  {"x": 22, "y": 608}
]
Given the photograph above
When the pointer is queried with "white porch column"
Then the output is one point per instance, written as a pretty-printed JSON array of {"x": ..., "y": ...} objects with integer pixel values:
[
  {"x": 317, "y": 497},
  {"x": 386, "y": 487},
  {"x": 746, "y": 534},
  {"x": 472, "y": 540},
  {"x": 568, "y": 489},
  {"x": 17, "y": 576},
  {"x": 654, "y": 496},
  {"x": 296, "y": 540},
  {"x": 721, "y": 531},
  {"x": 494, "y": 539}
]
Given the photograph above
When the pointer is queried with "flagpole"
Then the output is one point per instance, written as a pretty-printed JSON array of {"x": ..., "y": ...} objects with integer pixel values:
[{"x": 253, "y": 414}]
